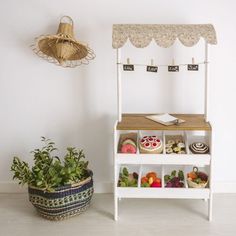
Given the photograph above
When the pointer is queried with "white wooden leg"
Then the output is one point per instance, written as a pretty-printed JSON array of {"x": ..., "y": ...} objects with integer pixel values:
[
  {"x": 115, "y": 208},
  {"x": 210, "y": 208}
]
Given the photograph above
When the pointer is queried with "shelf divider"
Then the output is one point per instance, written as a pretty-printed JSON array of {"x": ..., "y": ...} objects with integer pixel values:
[
  {"x": 140, "y": 176},
  {"x": 162, "y": 176}
]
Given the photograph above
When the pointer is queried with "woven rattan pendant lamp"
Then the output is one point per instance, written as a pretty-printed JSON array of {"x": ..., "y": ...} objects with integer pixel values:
[{"x": 63, "y": 49}]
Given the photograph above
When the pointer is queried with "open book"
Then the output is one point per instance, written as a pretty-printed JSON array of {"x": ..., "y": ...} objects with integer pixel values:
[{"x": 165, "y": 119}]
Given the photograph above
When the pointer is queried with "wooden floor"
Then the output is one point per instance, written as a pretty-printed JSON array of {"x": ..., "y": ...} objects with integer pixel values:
[{"x": 154, "y": 217}]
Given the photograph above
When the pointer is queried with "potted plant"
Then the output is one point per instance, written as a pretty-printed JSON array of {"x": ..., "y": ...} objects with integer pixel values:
[{"x": 57, "y": 188}]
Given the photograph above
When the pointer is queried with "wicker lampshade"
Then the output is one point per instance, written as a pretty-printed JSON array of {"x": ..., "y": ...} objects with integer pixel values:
[{"x": 63, "y": 49}]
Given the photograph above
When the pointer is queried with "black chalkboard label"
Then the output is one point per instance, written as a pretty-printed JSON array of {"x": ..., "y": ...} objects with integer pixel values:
[
  {"x": 173, "y": 68},
  {"x": 193, "y": 67},
  {"x": 128, "y": 67},
  {"x": 152, "y": 69}
]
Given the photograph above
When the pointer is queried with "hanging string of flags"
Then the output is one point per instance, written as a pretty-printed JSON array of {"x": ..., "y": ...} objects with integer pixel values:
[{"x": 154, "y": 67}]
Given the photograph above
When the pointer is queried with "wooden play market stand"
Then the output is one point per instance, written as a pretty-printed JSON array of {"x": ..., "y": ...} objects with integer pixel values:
[{"x": 196, "y": 128}]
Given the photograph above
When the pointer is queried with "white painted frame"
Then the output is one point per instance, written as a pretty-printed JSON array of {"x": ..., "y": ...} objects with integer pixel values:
[{"x": 140, "y": 159}]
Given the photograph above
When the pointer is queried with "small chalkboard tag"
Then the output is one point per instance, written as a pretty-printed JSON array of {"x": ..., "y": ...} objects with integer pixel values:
[
  {"x": 128, "y": 67},
  {"x": 193, "y": 67},
  {"x": 173, "y": 68},
  {"x": 152, "y": 69}
]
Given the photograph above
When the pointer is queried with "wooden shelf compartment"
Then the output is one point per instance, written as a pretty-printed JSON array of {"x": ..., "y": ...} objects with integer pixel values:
[
  {"x": 162, "y": 192},
  {"x": 163, "y": 158}
]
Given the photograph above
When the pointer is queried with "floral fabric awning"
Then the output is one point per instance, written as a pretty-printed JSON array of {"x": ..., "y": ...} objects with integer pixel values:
[{"x": 140, "y": 35}]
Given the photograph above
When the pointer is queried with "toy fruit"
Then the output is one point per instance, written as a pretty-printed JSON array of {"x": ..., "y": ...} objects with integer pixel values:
[
  {"x": 173, "y": 181},
  {"x": 130, "y": 177},
  {"x": 129, "y": 141},
  {"x": 197, "y": 179},
  {"x": 145, "y": 185},
  {"x": 122, "y": 184},
  {"x": 202, "y": 176},
  {"x": 151, "y": 174},
  {"x": 150, "y": 180},
  {"x": 128, "y": 145},
  {"x": 135, "y": 175},
  {"x": 128, "y": 148},
  {"x": 156, "y": 185},
  {"x": 144, "y": 180},
  {"x": 181, "y": 175},
  {"x": 192, "y": 175}
]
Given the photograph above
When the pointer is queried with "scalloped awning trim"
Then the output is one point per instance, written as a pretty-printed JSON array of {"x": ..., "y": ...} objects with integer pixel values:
[{"x": 164, "y": 35}]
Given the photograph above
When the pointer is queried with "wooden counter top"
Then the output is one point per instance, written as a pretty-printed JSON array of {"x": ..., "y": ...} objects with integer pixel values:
[{"x": 140, "y": 122}]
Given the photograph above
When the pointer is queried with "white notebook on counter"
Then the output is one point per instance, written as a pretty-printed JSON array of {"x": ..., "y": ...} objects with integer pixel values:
[{"x": 165, "y": 119}]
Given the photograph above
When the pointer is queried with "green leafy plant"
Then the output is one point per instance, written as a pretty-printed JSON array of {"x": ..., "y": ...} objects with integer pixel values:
[{"x": 48, "y": 171}]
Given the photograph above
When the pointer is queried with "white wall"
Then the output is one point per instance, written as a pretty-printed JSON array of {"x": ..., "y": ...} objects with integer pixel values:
[{"x": 78, "y": 106}]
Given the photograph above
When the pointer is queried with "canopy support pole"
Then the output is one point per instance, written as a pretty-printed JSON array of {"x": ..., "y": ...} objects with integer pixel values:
[
  {"x": 206, "y": 83},
  {"x": 119, "y": 93}
]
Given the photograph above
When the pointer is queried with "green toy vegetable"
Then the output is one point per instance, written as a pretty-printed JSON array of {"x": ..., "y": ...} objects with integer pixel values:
[
  {"x": 173, "y": 181},
  {"x": 126, "y": 179}
]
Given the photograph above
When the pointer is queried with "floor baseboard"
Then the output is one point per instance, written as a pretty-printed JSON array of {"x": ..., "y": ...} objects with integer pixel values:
[{"x": 107, "y": 187}]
